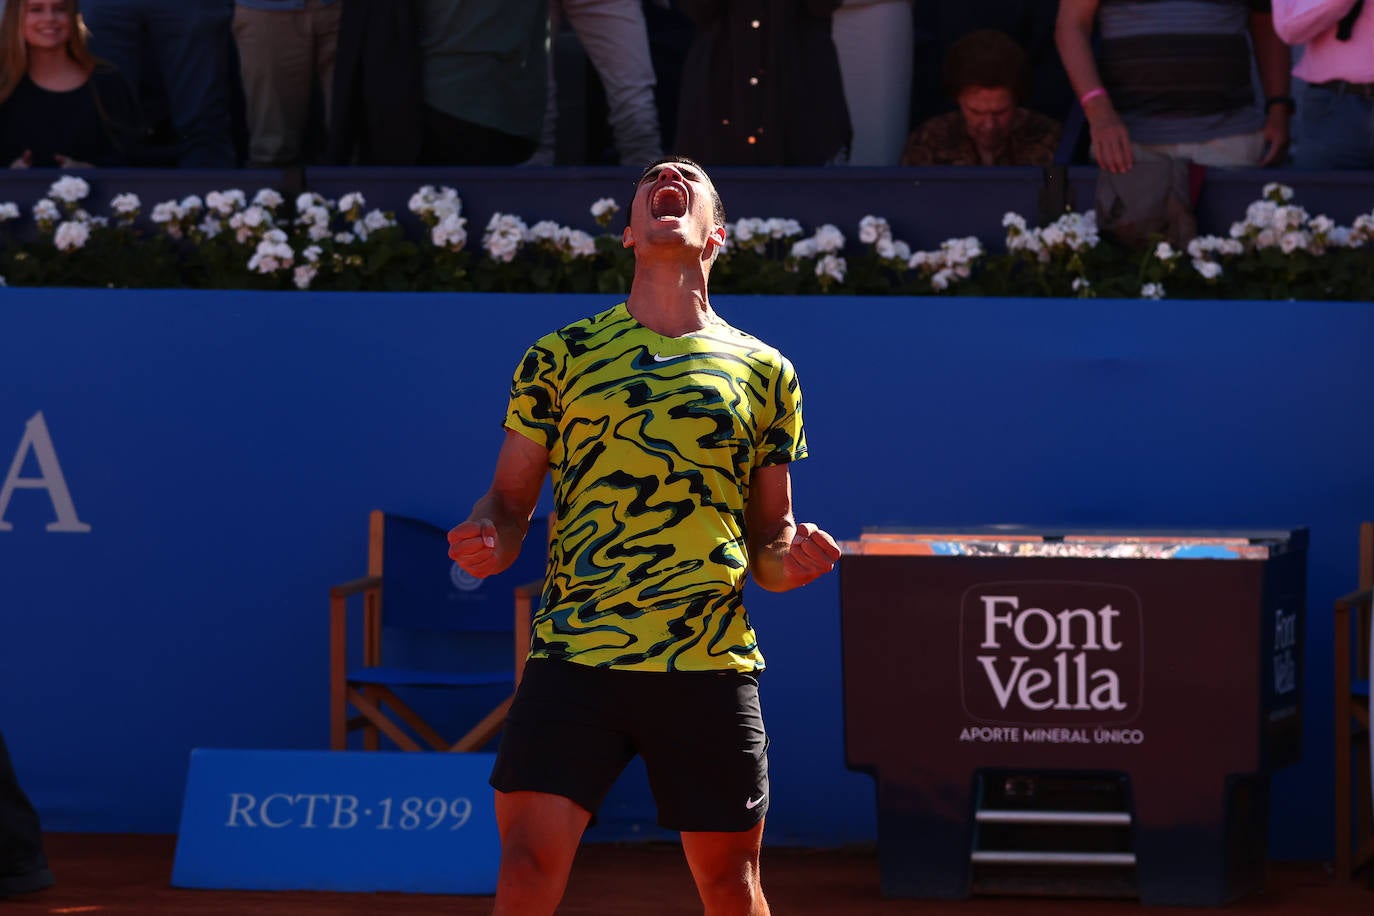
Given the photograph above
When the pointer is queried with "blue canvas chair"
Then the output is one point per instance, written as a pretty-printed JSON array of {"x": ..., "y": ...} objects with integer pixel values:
[
  {"x": 1354, "y": 643},
  {"x": 426, "y": 626}
]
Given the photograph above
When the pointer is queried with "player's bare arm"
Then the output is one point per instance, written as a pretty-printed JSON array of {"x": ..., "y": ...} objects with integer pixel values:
[
  {"x": 783, "y": 554},
  {"x": 489, "y": 541}
]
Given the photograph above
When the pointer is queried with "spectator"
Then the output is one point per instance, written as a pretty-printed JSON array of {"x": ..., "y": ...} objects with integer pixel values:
[
  {"x": 987, "y": 75},
  {"x": 1174, "y": 80},
  {"x": 59, "y": 106},
  {"x": 185, "y": 45},
  {"x": 613, "y": 34},
  {"x": 376, "y": 106},
  {"x": 484, "y": 72},
  {"x": 1336, "y": 114},
  {"x": 286, "y": 53},
  {"x": 940, "y": 23},
  {"x": 23, "y": 865},
  {"x": 762, "y": 86},
  {"x": 873, "y": 39}
]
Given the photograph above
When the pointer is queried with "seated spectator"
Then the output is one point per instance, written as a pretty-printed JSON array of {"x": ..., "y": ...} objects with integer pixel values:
[
  {"x": 59, "y": 106},
  {"x": 286, "y": 53},
  {"x": 1173, "y": 80},
  {"x": 183, "y": 46},
  {"x": 1336, "y": 111},
  {"x": 761, "y": 85},
  {"x": 987, "y": 75},
  {"x": 939, "y": 24}
]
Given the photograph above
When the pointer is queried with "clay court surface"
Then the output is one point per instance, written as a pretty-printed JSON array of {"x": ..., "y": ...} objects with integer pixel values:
[{"x": 114, "y": 875}]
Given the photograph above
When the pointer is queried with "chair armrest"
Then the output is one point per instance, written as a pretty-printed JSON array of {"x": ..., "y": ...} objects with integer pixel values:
[{"x": 344, "y": 589}]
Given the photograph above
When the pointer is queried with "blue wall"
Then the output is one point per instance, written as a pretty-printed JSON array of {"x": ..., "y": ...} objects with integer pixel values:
[{"x": 225, "y": 449}]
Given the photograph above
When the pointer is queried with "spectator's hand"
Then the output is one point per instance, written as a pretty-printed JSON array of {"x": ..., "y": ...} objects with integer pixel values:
[
  {"x": 24, "y": 161},
  {"x": 1276, "y": 137},
  {"x": 67, "y": 162},
  {"x": 1110, "y": 140},
  {"x": 812, "y": 554}
]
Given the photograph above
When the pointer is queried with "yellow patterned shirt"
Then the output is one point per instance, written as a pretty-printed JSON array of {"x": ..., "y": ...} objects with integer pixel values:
[{"x": 652, "y": 443}]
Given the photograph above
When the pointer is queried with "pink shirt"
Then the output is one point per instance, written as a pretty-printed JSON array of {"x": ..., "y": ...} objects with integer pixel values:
[{"x": 1313, "y": 23}]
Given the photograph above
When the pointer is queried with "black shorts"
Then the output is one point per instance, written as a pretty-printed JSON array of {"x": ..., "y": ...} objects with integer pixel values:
[{"x": 573, "y": 728}]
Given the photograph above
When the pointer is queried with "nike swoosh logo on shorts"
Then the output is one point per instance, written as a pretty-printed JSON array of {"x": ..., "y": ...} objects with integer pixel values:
[{"x": 752, "y": 803}]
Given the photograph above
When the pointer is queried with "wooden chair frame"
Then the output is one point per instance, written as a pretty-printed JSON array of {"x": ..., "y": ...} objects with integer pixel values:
[
  {"x": 1354, "y": 818},
  {"x": 370, "y": 699}
]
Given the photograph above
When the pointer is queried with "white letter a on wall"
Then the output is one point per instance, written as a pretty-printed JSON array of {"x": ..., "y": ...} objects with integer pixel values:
[{"x": 36, "y": 437}]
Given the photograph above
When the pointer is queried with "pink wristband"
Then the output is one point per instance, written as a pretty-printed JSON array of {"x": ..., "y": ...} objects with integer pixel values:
[{"x": 1090, "y": 95}]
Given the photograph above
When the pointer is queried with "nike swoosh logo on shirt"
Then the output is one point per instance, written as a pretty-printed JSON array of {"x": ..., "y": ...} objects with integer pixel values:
[
  {"x": 661, "y": 359},
  {"x": 751, "y": 803}
]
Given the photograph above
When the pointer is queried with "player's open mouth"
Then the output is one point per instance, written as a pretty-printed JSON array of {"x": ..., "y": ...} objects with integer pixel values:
[{"x": 668, "y": 202}]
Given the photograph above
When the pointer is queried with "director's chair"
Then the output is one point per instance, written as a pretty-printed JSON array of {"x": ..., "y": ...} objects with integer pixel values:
[{"x": 426, "y": 626}]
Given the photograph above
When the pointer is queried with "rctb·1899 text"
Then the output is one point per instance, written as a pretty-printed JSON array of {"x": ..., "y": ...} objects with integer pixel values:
[{"x": 344, "y": 812}]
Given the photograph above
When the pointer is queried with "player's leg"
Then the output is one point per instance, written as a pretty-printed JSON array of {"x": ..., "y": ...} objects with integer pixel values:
[
  {"x": 707, "y": 762},
  {"x": 539, "y": 837},
  {"x": 725, "y": 867},
  {"x": 561, "y": 750}
]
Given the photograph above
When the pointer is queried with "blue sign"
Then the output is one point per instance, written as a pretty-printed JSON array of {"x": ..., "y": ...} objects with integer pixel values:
[{"x": 338, "y": 821}]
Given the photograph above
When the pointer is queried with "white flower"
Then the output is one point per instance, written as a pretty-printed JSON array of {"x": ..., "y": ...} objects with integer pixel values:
[
  {"x": 313, "y": 215},
  {"x": 873, "y": 229},
  {"x": 1290, "y": 242},
  {"x": 268, "y": 199},
  {"x": 225, "y": 202},
  {"x": 1080, "y": 284},
  {"x": 782, "y": 228},
  {"x": 69, "y": 189},
  {"x": 71, "y": 235},
  {"x": 580, "y": 245},
  {"x": 543, "y": 231},
  {"x": 829, "y": 238},
  {"x": 1164, "y": 252},
  {"x": 1014, "y": 221},
  {"x": 345, "y": 238},
  {"x": 210, "y": 227},
  {"x": 432, "y": 205},
  {"x": 1210, "y": 270},
  {"x": 504, "y": 235},
  {"x": 376, "y": 219},
  {"x": 126, "y": 205},
  {"x": 962, "y": 251},
  {"x": 271, "y": 256},
  {"x": 1152, "y": 291},
  {"x": 350, "y": 202},
  {"x": 191, "y": 205},
  {"x": 942, "y": 278},
  {"x": 832, "y": 266},
  {"x": 304, "y": 275},
  {"x": 1277, "y": 192},
  {"x": 604, "y": 210},
  {"x": 806, "y": 248},
  {"x": 8, "y": 211},
  {"x": 45, "y": 211},
  {"x": 450, "y": 232}
]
